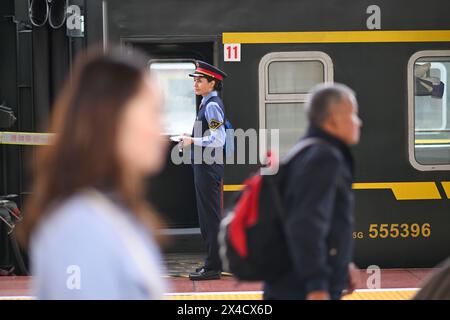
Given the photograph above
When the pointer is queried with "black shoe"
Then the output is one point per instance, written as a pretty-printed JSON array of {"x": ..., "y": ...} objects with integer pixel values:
[
  {"x": 205, "y": 274},
  {"x": 197, "y": 270}
]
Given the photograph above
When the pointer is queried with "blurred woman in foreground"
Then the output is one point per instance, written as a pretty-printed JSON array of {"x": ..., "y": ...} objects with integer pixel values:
[{"x": 91, "y": 234}]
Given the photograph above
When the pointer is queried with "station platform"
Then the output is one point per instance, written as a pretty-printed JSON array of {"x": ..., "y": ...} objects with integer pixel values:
[{"x": 395, "y": 284}]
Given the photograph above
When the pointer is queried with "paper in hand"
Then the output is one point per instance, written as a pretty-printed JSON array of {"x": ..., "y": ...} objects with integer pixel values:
[{"x": 176, "y": 138}]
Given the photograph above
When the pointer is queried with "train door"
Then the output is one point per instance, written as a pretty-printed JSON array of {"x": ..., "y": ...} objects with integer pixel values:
[
  {"x": 285, "y": 79},
  {"x": 172, "y": 192}
]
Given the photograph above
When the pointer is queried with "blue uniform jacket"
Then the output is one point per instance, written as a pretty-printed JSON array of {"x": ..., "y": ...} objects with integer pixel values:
[
  {"x": 211, "y": 117},
  {"x": 209, "y": 131},
  {"x": 318, "y": 199}
]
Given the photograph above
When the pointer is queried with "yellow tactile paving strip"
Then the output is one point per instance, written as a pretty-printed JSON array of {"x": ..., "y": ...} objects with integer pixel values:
[
  {"x": 382, "y": 295},
  {"x": 223, "y": 296},
  {"x": 390, "y": 294},
  {"x": 16, "y": 298},
  {"x": 358, "y": 295}
]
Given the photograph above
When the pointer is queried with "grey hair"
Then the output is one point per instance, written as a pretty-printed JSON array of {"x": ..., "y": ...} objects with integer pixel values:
[{"x": 323, "y": 97}]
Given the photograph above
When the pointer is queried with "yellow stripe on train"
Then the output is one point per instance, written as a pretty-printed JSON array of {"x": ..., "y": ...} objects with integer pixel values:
[
  {"x": 432, "y": 141},
  {"x": 405, "y": 190},
  {"x": 446, "y": 186},
  {"x": 338, "y": 36},
  {"x": 400, "y": 190}
]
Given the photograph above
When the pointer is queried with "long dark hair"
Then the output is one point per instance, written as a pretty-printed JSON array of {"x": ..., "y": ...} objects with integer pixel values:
[{"x": 83, "y": 152}]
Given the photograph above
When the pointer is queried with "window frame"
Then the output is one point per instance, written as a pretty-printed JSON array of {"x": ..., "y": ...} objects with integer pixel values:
[
  {"x": 263, "y": 78},
  {"x": 411, "y": 114}
]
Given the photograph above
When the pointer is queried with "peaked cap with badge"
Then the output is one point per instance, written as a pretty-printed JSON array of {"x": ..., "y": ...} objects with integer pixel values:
[{"x": 205, "y": 69}]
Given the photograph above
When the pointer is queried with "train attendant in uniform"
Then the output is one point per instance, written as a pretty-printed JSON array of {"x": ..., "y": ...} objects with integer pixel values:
[{"x": 207, "y": 144}]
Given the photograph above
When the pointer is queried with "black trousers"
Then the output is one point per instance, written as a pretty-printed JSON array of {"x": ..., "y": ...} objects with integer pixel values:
[{"x": 207, "y": 180}]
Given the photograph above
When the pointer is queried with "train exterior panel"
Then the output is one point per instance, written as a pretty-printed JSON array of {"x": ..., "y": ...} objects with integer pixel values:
[{"x": 402, "y": 185}]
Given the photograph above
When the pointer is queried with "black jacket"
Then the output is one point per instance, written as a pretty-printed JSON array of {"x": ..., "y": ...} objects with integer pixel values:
[{"x": 318, "y": 198}]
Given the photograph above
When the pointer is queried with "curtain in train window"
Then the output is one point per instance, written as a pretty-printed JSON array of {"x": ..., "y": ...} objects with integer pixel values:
[
  {"x": 290, "y": 119},
  {"x": 294, "y": 77},
  {"x": 179, "y": 97},
  {"x": 431, "y": 111}
]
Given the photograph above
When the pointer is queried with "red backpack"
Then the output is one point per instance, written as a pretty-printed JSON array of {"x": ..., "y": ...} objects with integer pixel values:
[{"x": 252, "y": 242}]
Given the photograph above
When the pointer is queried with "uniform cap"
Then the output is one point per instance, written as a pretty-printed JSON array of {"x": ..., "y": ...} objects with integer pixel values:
[{"x": 205, "y": 69}]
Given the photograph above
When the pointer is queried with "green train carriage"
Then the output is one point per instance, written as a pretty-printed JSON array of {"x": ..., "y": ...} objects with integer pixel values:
[{"x": 395, "y": 55}]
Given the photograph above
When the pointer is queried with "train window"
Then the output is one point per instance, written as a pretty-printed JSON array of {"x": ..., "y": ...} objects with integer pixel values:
[
  {"x": 180, "y": 108},
  {"x": 285, "y": 79},
  {"x": 429, "y": 113},
  {"x": 287, "y": 118},
  {"x": 288, "y": 77}
]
